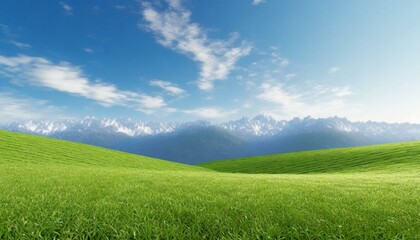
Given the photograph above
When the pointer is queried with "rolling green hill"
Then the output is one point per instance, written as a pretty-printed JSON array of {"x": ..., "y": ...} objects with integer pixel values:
[
  {"x": 18, "y": 148},
  {"x": 52, "y": 189},
  {"x": 396, "y": 157}
]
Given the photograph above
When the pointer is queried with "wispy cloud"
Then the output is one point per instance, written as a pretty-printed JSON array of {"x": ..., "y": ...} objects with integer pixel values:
[
  {"x": 149, "y": 102},
  {"x": 169, "y": 87},
  {"x": 286, "y": 102},
  {"x": 342, "y": 92},
  {"x": 17, "y": 108},
  {"x": 174, "y": 29},
  {"x": 278, "y": 60},
  {"x": 6, "y": 32},
  {"x": 88, "y": 50},
  {"x": 277, "y": 94},
  {"x": 10, "y": 37},
  {"x": 333, "y": 70},
  {"x": 67, "y": 8},
  {"x": 320, "y": 90},
  {"x": 290, "y": 76},
  {"x": 19, "y": 44},
  {"x": 210, "y": 112},
  {"x": 120, "y": 7},
  {"x": 268, "y": 82},
  {"x": 267, "y": 65},
  {"x": 257, "y": 2},
  {"x": 68, "y": 78}
]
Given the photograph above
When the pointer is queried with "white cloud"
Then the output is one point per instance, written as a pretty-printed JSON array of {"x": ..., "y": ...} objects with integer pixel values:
[
  {"x": 67, "y": 8},
  {"x": 173, "y": 29},
  {"x": 15, "y": 108},
  {"x": 278, "y": 60},
  {"x": 170, "y": 110},
  {"x": 169, "y": 87},
  {"x": 256, "y": 2},
  {"x": 210, "y": 112},
  {"x": 267, "y": 66},
  {"x": 19, "y": 44},
  {"x": 333, "y": 70},
  {"x": 88, "y": 50},
  {"x": 342, "y": 92},
  {"x": 10, "y": 37},
  {"x": 120, "y": 7},
  {"x": 290, "y": 76},
  {"x": 320, "y": 101},
  {"x": 278, "y": 95},
  {"x": 151, "y": 102},
  {"x": 68, "y": 78},
  {"x": 13, "y": 62},
  {"x": 246, "y": 105},
  {"x": 320, "y": 90}
]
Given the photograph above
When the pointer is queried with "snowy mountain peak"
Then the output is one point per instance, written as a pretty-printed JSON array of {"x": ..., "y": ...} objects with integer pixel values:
[
  {"x": 261, "y": 125},
  {"x": 127, "y": 127}
]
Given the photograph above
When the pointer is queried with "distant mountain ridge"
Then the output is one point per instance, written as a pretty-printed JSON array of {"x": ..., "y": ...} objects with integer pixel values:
[
  {"x": 260, "y": 125},
  {"x": 200, "y": 141}
]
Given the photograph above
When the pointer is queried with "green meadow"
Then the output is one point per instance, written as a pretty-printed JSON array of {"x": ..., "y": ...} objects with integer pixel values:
[{"x": 54, "y": 189}]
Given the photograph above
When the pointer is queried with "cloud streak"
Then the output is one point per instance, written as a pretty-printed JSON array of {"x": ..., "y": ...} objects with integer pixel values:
[
  {"x": 210, "y": 112},
  {"x": 278, "y": 95},
  {"x": 68, "y": 78},
  {"x": 19, "y": 44},
  {"x": 333, "y": 70},
  {"x": 169, "y": 87},
  {"x": 10, "y": 37},
  {"x": 173, "y": 29},
  {"x": 88, "y": 50},
  {"x": 321, "y": 101},
  {"x": 67, "y": 8},
  {"x": 257, "y": 2},
  {"x": 15, "y": 108}
]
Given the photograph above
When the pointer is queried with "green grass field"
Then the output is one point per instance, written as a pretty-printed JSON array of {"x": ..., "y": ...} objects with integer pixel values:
[
  {"x": 57, "y": 189},
  {"x": 386, "y": 158}
]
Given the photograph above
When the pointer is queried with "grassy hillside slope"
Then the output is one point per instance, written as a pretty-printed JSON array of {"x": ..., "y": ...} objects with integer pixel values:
[
  {"x": 396, "y": 157},
  {"x": 51, "y": 189},
  {"x": 18, "y": 148}
]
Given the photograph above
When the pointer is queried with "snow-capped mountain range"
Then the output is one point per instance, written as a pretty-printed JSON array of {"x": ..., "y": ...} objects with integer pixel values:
[
  {"x": 260, "y": 125},
  {"x": 128, "y": 127},
  {"x": 200, "y": 141}
]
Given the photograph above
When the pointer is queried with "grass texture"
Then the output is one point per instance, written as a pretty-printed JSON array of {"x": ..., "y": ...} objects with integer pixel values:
[
  {"x": 386, "y": 158},
  {"x": 52, "y": 189}
]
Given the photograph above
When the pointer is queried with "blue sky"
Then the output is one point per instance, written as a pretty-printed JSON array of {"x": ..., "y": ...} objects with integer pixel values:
[{"x": 215, "y": 60}]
